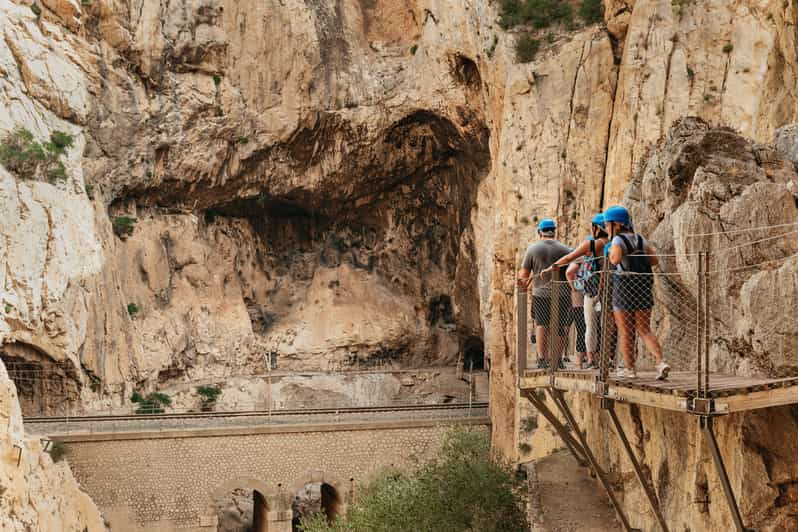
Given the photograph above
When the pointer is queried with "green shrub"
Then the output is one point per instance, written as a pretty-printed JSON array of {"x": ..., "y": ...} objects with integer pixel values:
[
  {"x": 153, "y": 403},
  {"x": 57, "y": 451},
  {"x": 217, "y": 79},
  {"x": 526, "y": 47},
  {"x": 26, "y": 158},
  {"x": 85, "y": 3},
  {"x": 36, "y": 10},
  {"x": 465, "y": 487},
  {"x": 208, "y": 396},
  {"x": 538, "y": 13},
  {"x": 727, "y": 49},
  {"x": 123, "y": 226},
  {"x": 529, "y": 424},
  {"x": 492, "y": 49},
  {"x": 591, "y": 11},
  {"x": 132, "y": 309},
  {"x": 524, "y": 447},
  {"x": 414, "y": 49}
]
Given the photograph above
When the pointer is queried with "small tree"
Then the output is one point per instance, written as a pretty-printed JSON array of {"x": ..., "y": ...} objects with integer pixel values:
[
  {"x": 208, "y": 396},
  {"x": 526, "y": 47},
  {"x": 26, "y": 158},
  {"x": 591, "y": 11},
  {"x": 123, "y": 226},
  {"x": 153, "y": 403},
  {"x": 465, "y": 488}
]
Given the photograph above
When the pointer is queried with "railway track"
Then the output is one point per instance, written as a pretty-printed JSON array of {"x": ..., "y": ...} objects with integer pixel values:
[{"x": 256, "y": 413}]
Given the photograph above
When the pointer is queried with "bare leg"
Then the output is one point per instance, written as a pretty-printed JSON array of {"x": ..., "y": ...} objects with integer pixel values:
[
  {"x": 542, "y": 338},
  {"x": 625, "y": 323},
  {"x": 642, "y": 320}
]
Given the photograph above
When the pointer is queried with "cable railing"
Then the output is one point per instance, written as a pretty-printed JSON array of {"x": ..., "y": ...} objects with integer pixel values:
[{"x": 723, "y": 307}]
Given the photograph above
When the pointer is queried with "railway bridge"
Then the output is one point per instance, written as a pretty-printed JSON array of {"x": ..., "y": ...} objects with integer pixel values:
[{"x": 169, "y": 472}]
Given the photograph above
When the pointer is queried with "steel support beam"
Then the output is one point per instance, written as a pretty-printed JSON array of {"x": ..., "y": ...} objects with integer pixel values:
[
  {"x": 574, "y": 446},
  {"x": 559, "y": 400},
  {"x": 647, "y": 488},
  {"x": 705, "y": 423}
]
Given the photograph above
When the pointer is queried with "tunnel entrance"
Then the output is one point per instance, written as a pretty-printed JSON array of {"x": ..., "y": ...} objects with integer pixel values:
[
  {"x": 314, "y": 498},
  {"x": 474, "y": 354},
  {"x": 242, "y": 510},
  {"x": 44, "y": 387}
]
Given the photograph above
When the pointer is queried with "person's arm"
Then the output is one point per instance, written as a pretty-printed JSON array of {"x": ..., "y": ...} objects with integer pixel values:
[
  {"x": 580, "y": 251},
  {"x": 616, "y": 254},
  {"x": 570, "y": 273},
  {"x": 524, "y": 278},
  {"x": 653, "y": 260}
]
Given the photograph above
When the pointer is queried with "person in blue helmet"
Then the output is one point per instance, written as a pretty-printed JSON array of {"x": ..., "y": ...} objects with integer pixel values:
[
  {"x": 633, "y": 289},
  {"x": 591, "y": 251},
  {"x": 537, "y": 258}
]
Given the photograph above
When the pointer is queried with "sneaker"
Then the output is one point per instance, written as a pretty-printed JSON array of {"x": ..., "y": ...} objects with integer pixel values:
[
  {"x": 620, "y": 374},
  {"x": 543, "y": 363},
  {"x": 662, "y": 370},
  {"x": 630, "y": 373}
]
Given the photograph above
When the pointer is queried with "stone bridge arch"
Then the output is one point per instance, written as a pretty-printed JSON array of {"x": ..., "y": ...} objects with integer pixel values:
[
  {"x": 335, "y": 502},
  {"x": 272, "y": 507}
]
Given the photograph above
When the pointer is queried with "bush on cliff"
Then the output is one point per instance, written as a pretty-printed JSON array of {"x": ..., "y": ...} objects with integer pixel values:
[
  {"x": 465, "y": 488},
  {"x": 26, "y": 158}
]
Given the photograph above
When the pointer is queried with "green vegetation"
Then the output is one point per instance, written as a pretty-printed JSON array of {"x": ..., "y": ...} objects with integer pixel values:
[
  {"x": 57, "y": 451},
  {"x": 524, "y": 448},
  {"x": 591, "y": 11},
  {"x": 26, "y": 158},
  {"x": 36, "y": 10},
  {"x": 123, "y": 226},
  {"x": 132, "y": 309},
  {"x": 153, "y": 403},
  {"x": 414, "y": 49},
  {"x": 217, "y": 79},
  {"x": 538, "y": 13},
  {"x": 85, "y": 3},
  {"x": 210, "y": 216},
  {"x": 243, "y": 140},
  {"x": 529, "y": 424},
  {"x": 727, "y": 49},
  {"x": 544, "y": 13},
  {"x": 208, "y": 396},
  {"x": 466, "y": 487},
  {"x": 690, "y": 74},
  {"x": 89, "y": 188},
  {"x": 526, "y": 47},
  {"x": 524, "y": 220}
]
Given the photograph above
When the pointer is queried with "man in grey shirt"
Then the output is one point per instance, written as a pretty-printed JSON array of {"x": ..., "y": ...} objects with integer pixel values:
[{"x": 538, "y": 257}]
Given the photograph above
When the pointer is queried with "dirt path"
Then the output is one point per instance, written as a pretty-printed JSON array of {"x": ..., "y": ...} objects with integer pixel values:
[{"x": 563, "y": 498}]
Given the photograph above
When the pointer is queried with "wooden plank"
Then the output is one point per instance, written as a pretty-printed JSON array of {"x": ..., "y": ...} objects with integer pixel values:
[{"x": 765, "y": 399}]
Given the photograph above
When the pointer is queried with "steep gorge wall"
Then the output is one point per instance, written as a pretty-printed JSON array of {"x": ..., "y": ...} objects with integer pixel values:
[{"x": 332, "y": 182}]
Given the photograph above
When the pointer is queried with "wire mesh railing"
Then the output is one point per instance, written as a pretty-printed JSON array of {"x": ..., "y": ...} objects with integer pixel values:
[{"x": 721, "y": 306}]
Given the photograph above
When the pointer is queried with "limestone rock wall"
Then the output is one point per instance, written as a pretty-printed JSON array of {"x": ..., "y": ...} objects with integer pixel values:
[{"x": 35, "y": 492}]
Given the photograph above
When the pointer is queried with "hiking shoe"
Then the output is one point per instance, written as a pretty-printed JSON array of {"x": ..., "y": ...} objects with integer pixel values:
[
  {"x": 662, "y": 370},
  {"x": 630, "y": 373}
]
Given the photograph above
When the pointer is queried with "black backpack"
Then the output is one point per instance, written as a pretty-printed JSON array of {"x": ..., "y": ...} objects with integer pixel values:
[{"x": 636, "y": 260}]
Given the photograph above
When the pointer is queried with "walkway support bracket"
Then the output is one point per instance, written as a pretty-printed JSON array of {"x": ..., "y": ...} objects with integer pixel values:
[
  {"x": 705, "y": 422},
  {"x": 573, "y": 446},
  {"x": 559, "y": 400},
  {"x": 647, "y": 488}
]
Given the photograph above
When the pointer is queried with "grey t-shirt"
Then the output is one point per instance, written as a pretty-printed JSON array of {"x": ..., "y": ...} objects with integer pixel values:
[{"x": 540, "y": 256}]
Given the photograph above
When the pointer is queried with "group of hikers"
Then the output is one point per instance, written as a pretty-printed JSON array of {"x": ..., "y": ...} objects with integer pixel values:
[{"x": 612, "y": 244}]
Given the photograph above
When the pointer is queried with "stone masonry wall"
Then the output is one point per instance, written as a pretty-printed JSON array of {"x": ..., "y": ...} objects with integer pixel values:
[{"x": 168, "y": 481}]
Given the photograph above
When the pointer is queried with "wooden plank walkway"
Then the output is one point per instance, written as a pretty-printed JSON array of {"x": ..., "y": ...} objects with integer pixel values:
[{"x": 731, "y": 393}]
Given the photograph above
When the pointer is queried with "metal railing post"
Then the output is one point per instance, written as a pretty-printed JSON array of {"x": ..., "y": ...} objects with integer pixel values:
[
  {"x": 698, "y": 324},
  {"x": 707, "y": 322},
  {"x": 606, "y": 316},
  {"x": 554, "y": 328},
  {"x": 521, "y": 331}
]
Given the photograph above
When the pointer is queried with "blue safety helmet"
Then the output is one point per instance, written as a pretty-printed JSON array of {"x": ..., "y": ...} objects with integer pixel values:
[
  {"x": 617, "y": 214},
  {"x": 546, "y": 225},
  {"x": 598, "y": 220}
]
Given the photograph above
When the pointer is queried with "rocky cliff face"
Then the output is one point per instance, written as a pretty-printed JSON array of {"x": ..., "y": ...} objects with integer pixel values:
[
  {"x": 35, "y": 492},
  {"x": 333, "y": 184}
]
